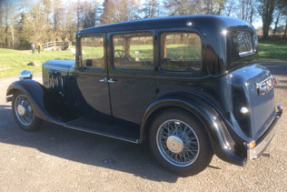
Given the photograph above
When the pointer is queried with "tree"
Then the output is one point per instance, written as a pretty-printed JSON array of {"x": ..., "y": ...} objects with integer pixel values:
[
  {"x": 70, "y": 23},
  {"x": 150, "y": 9},
  {"x": 266, "y": 9},
  {"x": 9, "y": 19},
  {"x": 188, "y": 7},
  {"x": 229, "y": 6},
  {"x": 22, "y": 32},
  {"x": 280, "y": 10},
  {"x": 89, "y": 14},
  {"x": 183, "y": 7},
  {"x": 214, "y": 6},
  {"x": 242, "y": 9},
  {"x": 119, "y": 10},
  {"x": 1, "y": 16},
  {"x": 285, "y": 31},
  {"x": 247, "y": 10}
]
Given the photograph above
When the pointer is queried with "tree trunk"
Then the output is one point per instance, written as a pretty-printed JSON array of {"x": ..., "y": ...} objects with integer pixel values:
[
  {"x": 230, "y": 8},
  {"x": 243, "y": 10},
  {"x": 266, "y": 11},
  {"x": 12, "y": 36},
  {"x": 265, "y": 31},
  {"x": 285, "y": 31},
  {"x": 276, "y": 23},
  {"x": 251, "y": 12},
  {"x": 127, "y": 46},
  {"x": 78, "y": 15}
]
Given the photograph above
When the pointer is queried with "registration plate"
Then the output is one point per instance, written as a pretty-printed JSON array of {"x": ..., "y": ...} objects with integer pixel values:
[{"x": 266, "y": 85}]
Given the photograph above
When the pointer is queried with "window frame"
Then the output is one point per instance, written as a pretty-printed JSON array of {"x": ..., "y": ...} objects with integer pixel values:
[
  {"x": 198, "y": 72},
  {"x": 132, "y": 32},
  {"x": 103, "y": 35}
]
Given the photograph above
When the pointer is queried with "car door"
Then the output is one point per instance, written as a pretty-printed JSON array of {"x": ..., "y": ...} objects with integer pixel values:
[
  {"x": 93, "y": 93},
  {"x": 131, "y": 80}
]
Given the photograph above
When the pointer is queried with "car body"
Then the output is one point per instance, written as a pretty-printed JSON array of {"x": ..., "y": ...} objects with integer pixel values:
[{"x": 173, "y": 81}]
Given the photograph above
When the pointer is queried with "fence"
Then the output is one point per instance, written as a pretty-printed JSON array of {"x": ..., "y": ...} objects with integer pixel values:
[{"x": 56, "y": 45}]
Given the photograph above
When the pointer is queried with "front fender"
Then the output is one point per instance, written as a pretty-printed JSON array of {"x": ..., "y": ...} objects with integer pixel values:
[
  {"x": 39, "y": 97},
  {"x": 222, "y": 142}
]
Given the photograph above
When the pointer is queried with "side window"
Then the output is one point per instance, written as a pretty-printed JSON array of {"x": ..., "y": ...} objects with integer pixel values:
[
  {"x": 133, "y": 51},
  {"x": 180, "y": 51},
  {"x": 93, "y": 51}
]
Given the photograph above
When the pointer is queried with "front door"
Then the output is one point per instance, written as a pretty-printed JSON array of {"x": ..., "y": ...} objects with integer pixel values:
[{"x": 93, "y": 92}]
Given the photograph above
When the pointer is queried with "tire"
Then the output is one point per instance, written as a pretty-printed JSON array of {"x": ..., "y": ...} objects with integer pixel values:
[
  {"x": 180, "y": 143},
  {"x": 23, "y": 113}
]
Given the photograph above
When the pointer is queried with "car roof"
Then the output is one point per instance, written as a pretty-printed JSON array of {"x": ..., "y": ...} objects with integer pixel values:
[{"x": 167, "y": 22}]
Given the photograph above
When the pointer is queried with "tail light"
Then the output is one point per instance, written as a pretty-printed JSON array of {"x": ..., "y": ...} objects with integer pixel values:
[{"x": 275, "y": 80}]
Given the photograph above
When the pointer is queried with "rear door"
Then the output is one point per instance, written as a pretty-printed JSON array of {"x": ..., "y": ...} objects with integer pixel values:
[{"x": 131, "y": 75}]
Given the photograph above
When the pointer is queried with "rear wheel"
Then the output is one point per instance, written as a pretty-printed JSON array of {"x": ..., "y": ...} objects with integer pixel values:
[
  {"x": 23, "y": 113},
  {"x": 180, "y": 143}
]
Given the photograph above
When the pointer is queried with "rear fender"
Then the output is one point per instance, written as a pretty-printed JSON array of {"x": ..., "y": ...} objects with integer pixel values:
[
  {"x": 221, "y": 141},
  {"x": 40, "y": 98}
]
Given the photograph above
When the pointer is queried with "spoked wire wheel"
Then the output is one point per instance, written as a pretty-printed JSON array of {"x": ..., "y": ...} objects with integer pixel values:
[
  {"x": 23, "y": 110},
  {"x": 24, "y": 114},
  {"x": 177, "y": 143}
]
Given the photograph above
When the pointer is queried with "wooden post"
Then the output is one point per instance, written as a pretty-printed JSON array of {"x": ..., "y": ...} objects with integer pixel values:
[
  {"x": 164, "y": 49},
  {"x": 127, "y": 41}
]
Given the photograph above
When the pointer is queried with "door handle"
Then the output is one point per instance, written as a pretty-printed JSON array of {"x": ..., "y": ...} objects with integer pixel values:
[
  {"x": 111, "y": 80},
  {"x": 104, "y": 80}
]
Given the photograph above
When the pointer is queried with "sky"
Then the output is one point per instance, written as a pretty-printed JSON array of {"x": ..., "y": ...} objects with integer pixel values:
[
  {"x": 257, "y": 23},
  {"x": 72, "y": 1}
]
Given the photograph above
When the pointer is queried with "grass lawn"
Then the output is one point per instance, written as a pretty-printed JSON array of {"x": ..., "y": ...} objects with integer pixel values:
[
  {"x": 272, "y": 51},
  {"x": 12, "y": 62}
]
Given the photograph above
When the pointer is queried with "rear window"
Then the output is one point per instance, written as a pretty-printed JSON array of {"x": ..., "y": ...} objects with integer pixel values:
[
  {"x": 242, "y": 48},
  {"x": 180, "y": 51},
  {"x": 242, "y": 44}
]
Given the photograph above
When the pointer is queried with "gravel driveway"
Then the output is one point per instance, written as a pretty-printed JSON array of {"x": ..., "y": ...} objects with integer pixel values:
[{"x": 58, "y": 159}]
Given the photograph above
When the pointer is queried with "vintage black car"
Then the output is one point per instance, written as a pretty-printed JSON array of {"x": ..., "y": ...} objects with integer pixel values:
[{"x": 189, "y": 85}]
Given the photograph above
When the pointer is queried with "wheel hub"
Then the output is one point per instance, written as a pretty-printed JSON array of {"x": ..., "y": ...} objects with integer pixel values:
[
  {"x": 174, "y": 144},
  {"x": 21, "y": 110}
]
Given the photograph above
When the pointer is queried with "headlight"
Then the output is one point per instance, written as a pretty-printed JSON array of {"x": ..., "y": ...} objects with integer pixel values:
[{"x": 26, "y": 74}]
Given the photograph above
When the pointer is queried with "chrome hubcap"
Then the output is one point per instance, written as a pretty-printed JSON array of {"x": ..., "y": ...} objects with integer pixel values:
[
  {"x": 23, "y": 110},
  {"x": 174, "y": 144},
  {"x": 177, "y": 142}
]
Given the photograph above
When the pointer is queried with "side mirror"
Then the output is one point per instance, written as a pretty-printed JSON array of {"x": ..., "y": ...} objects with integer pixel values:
[{"x": 25, "y": 74}]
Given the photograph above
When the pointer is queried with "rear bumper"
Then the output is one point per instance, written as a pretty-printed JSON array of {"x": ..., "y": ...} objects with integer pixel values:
[{"x": 265, "y": 140}]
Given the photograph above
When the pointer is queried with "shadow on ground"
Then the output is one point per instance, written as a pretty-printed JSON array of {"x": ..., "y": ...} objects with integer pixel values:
[
  {"x": 276, "y": 68},
  {"x": 84, "y": 148}
]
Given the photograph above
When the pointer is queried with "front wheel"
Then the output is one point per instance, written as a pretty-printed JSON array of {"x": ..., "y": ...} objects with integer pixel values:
[
  {"x": 180, "y": 143},
  {"x": 23, "y": 113}
]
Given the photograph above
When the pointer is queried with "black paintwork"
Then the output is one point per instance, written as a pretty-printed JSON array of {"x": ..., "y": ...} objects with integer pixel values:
[{"x": 73, "y": 94}]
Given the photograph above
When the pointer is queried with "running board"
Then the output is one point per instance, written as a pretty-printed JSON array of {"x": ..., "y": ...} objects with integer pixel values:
[{"x": 103, "y": 129}]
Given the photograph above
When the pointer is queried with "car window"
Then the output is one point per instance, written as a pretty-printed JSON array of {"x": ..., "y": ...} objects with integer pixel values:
[
  {"x": 133, "y": 51},
  {"x": 242, "y": 43},
  {"x": 93, "y": 51},
  {"x": 180, "y": 51}
]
